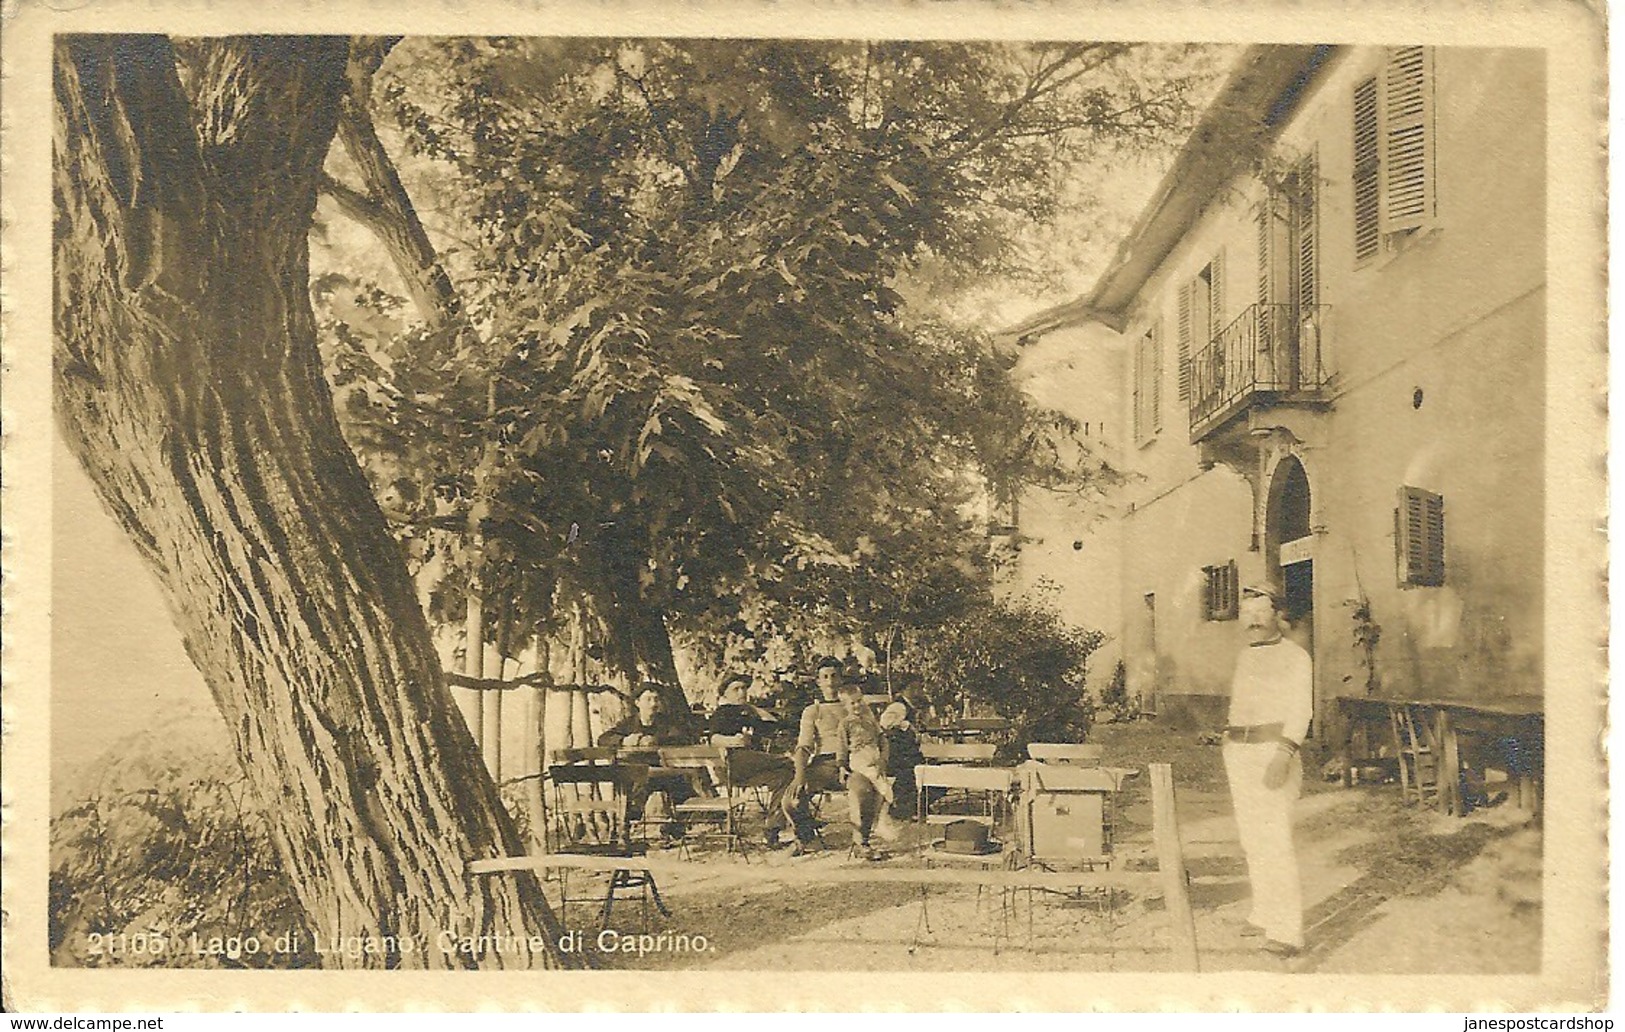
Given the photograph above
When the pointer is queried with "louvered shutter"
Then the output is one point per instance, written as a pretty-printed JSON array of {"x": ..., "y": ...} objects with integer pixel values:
[
  {"x": 1419, "y": 534},
  {"x": 1139, "y": 390},
  {"x": 1407, "y": 139},
  {"x": 1215, "y": 295},
  {"x": 1266, "y": 252},
  {"x": 1306, "y": 224},
  {"x": 1184, "y": 342},
  {"x": 1221, "y": 595},
  {"x": 1148, "y": 384},
  {"x": 1367, "y": 169}
]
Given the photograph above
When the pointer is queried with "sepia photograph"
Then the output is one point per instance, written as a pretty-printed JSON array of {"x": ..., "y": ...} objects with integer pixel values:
[{"x": 860, "y": 502}]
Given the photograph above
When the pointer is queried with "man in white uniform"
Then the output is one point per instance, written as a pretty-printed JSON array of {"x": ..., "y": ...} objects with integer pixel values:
[{"x": 1271, "y": 701}]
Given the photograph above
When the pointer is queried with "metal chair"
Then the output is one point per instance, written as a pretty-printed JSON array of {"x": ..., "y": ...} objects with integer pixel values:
[
  {"x": 719, "y": 804},
  {"x": 590, "y": 813}
]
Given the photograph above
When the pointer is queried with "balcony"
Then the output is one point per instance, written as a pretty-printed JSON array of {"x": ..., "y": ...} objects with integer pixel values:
[{"x": 1270, "y": 355}]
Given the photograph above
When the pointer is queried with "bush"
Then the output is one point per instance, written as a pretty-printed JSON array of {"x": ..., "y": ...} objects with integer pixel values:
[
  {"x": 1017, "y": 656},
  {"x": 161, "y": 844},
  {"x": 1119, "y": 706}
]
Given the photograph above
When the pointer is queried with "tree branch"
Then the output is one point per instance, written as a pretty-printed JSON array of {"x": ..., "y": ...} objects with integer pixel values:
[
  {"x": 658, "y": 120},
  {"x": 384, "y": 207},
  {"x": 356, "y": 204},
  {"x": 539, "y": 679}
]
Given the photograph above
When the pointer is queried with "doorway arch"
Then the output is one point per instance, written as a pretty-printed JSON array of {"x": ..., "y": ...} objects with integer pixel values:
[{"x": 1288, "y": 541}]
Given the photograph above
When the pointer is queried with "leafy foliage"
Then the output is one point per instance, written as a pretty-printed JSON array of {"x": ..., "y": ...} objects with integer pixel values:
[
  {"x": 1366, "y": 634},
  {"x": 1017, "y": 656}
]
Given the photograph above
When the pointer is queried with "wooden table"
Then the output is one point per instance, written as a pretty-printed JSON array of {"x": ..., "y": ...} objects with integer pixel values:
[{"x": 1518, "y": 721}]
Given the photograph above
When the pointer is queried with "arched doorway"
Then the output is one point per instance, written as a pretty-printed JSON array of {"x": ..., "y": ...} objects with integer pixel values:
[{"x": 1289, "y": 551}]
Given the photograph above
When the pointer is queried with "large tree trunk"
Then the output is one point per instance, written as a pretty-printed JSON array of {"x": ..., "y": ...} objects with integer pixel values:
[
  {"x": 189, "y": 386},
  {"x": 637, "y": 641}
]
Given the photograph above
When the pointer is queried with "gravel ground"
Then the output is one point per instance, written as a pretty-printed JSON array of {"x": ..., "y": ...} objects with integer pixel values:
[{"x": 1388, "y": 889}]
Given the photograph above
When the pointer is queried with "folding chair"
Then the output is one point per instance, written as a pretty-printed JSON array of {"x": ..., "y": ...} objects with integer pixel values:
[
  {"x": 955, "y": 792},
  {"x": 758, "y": 793},
  {"x": 590, "y": 812},
  {"x": 948, "y": 793},
  {"x": 719, "y": 804}
]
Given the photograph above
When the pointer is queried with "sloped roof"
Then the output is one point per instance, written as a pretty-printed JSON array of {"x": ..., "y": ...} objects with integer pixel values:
[{"x": 1241, "y": 124}]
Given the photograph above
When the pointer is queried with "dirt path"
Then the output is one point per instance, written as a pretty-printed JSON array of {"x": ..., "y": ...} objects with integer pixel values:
[{"x": 1387, "y": 889}]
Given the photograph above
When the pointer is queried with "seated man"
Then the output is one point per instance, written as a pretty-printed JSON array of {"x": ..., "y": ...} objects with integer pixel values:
[
  {"x": 648, "y": 726},
  {"x": 742, "y": 724},
  {"x": 816, "y": 769},
  {"x": 735, "y": 717}
]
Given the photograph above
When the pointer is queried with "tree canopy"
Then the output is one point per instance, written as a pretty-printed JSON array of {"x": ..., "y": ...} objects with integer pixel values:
[{"x": 687, "y": 383}]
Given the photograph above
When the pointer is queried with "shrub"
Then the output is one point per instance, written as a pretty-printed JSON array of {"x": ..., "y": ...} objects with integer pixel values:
[
  {"x": 1017, "y": 656},
  {"x": 163, "y": 843},
  {"x": 1115, "y": 700}
]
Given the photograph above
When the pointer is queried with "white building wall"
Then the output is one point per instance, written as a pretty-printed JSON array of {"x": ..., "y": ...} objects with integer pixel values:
[{"x": 1456, "y": 311}]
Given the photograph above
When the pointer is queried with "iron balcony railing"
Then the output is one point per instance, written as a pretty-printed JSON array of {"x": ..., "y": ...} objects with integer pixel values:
[{"x": 1269, "y": 349}]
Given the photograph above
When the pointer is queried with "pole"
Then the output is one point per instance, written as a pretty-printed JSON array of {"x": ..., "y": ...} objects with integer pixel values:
[
  {"x": 493, "y": 734},
  {"x": 474, "y": 655},
  {"x": 490, "y": 716},
  {"x": 538, "y": 714},
  {"x": 1171, "y": 862}
]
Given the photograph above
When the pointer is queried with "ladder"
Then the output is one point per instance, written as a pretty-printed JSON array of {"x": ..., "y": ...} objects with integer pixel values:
[{"x": 1418, "y": 759}]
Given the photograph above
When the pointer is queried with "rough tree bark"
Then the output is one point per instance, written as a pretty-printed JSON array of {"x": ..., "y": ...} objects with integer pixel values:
[{"x": 189, "y": 386}]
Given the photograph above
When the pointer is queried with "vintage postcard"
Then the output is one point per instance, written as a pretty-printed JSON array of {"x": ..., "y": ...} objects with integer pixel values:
[{"x": 561, "y": 506}]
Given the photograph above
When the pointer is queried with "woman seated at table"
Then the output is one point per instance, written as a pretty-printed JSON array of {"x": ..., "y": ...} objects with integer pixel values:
[
  {"x": 902, "y": 755},
  {"x": 649, "y": 727}
]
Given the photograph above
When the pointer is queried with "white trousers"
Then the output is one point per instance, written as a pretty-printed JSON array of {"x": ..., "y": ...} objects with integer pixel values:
[{"x": 1264, "y": 819}]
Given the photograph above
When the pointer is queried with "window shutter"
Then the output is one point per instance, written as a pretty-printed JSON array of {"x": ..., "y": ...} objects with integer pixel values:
[
  {"x": 1307, "y": 226},
  {"x": 1419, "y": 533},
  {"x": 1139, "y": 390},
  {"x": 1433, "y": 526},
  {"x": 1148, "y": 383},
  {"x": 1407, "y": 139},
  {"x": 1367, "y": 166},
  {"x": 1215, "y": 294},
  {"x": 1266, "y": 252},
  {"x": 1184, "y": 334},
  {"x": 1156, "y": 376}
]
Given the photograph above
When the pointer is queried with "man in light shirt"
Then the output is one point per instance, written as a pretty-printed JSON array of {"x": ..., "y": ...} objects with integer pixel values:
[
  {"x": 816, "y": 769},
  {"x": 1271, "y": 702}
]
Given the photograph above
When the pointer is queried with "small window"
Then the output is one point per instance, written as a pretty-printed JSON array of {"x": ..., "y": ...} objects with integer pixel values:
[
  {"x": 1221, "y": 594},
  {"x": 1419, "y": 538}
]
